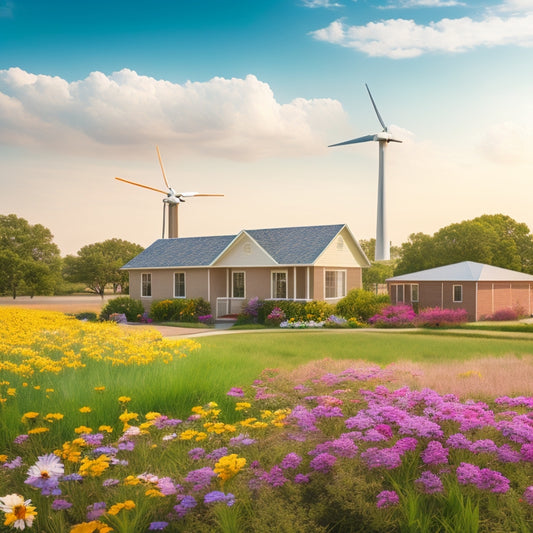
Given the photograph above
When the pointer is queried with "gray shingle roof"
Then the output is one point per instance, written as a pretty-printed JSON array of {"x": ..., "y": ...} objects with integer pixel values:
[
  {"x": 465, "y": 271},
  {"x": 182, "y": 252},
  {"x": 295, "y": 246},
  {"x": 287, "y": 246}
]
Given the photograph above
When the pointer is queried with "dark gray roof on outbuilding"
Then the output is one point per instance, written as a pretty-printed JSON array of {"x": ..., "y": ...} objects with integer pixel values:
[{"x": 181, "y": 252}]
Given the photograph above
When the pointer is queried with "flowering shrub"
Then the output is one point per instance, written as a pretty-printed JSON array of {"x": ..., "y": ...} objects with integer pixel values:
[
  {"x": 119, "y": 318},
  {"x": 206, "y": 319},
  {"x": 509, "y": 313},
  {"x": 276, "y": 317},
  {"x": 179, "y": 310},
  {"x": 124, "y": 305},
  {"x": 250, "y": 311},
  {"x": 300, "y": 324},
  {"x": 394, "y": 316},
  {"x": 435, "y": 316}
]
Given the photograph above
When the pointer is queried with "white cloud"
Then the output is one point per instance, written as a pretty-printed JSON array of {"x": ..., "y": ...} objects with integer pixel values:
[
  {"x": 508, "y": 144},
  {"x": 515, "y": 6},
  {"x": 424, "y": 3},
  {"x": 320, "y": 3},
  {"x": 234, "y": 118},
  {"x": 400, "y": 38}
]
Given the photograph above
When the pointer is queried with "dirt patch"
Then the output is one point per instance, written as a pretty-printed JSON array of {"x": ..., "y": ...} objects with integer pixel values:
[{"x": 63, "y": 304}]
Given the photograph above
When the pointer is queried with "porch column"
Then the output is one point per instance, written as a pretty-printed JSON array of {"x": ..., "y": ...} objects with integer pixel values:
[
  {"x": 294, "y": 281},
  {"x": 209, "y": 285},
  {"x": 307, "y": 284}
]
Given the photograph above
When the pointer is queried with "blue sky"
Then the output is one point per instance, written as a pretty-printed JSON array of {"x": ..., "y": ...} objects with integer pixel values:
[{"x": 243, "y": 98}]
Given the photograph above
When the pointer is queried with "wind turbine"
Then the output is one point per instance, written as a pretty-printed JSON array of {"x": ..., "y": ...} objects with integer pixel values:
[
  {"x": 171, "y": 202},
  {"x": 382, "y": 252}
]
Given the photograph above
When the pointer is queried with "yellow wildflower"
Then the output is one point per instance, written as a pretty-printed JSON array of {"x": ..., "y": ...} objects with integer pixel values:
[
  {"x": 99, "y": 389},
  {"x": 35, "y": 431},
  {"x": 124, "y": 399},
  {"x": 127, "y": 505},
  {"x": 53, "y": 416},
  {"x": 152, "y": 415},
  {"x": 242, "y": 406},
  {"x": 31, "y": 415},
  {"x": 85, "y": 409},
  {"x": 107, "y": 429},
  {"x": 94, "y": 526},
  {"x": 131, "y": 480},
  {"x": 94, "y": 467},
  {"x": 3, "y": 458},
  {"x": 83, "y": 429},
  {"x": 228, "y": 466},
  {"x": 154, "y": 493}
]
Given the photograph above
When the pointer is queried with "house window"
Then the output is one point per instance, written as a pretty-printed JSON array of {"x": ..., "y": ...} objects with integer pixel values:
[
  {"x": 238, "y": 284},
  {"x": 279, "y": 285},
  {"x": 457, "y": 293},
  {"x": 335, "y": 284},
  {"x": 414, "y": 293},
  {"x": 399, "y": 294},
  {"x": 146, "y": 285},
  {"x": 179, "y": 285}
]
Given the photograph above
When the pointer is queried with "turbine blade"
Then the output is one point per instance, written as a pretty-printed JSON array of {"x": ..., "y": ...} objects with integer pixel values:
[
  {"x": 162, "y": 169},
  {"x": 364, "y": 139},
  {"x": 376, "y": 109},
  {"x": 191, "y": 194},
  {"x": 140, "y": 185}
]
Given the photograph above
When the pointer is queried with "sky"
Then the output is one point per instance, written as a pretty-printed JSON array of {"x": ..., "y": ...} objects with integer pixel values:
[{"x": 243, "y": 98}]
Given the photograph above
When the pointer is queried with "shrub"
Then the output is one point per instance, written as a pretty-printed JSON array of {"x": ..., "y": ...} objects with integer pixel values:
[
  {"x": 361, "y": 304},
  {"x": 394, "y": 316},
  {"x": 334, "y": 321},
  {"x": 294, "y": 310},
  {"x": 509, "y": 313},
  {"x": 275, "y": 318},
  {"x": 206, "y": 319},
  {"x": 87, "y": 316},
  {"x": 123, "y": 305},
  {"x": 179, "y": 310},
  {"x": 318, "y": 310},
  {"x": 435, "y": 317}
]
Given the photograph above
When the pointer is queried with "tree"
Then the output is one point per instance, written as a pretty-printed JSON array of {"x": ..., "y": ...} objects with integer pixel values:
[
  {"x": 496, "y": 240},
  {"x": 30, "y": 262},
  {"x": 97, "y": 265},
  {"x": 379, "y": 271}
]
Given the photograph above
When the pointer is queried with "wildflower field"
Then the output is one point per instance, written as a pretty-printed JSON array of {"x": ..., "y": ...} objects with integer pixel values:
[{"x": 100, "y": 432}]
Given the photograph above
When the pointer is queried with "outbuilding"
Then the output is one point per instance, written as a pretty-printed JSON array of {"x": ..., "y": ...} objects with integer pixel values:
[{"x": 480, "y": 289}]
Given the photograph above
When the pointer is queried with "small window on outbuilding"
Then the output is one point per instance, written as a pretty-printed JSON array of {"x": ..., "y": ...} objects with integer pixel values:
[
  {"x": 179, "y": 285},
  {"x": 414, "y": 292},
  {"x": 457, "y": 293},
  {"x": 146, "y": 285},
  {"x": 399, "y": 294}
]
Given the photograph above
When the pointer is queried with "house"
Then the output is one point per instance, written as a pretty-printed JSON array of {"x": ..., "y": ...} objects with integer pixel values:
[
  {"x": 300, "y": 263},
  {"x": 480, "y": 289}
]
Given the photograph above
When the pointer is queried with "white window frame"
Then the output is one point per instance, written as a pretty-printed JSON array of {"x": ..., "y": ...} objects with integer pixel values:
[
  {"x": 184, "y": 285},
  {"x": 398, "y": 301},
  {"x": 415, "y": 288},
  {"x": 286, "y": 273},
  {"x": 453, "y": 294},
  {"x": 243, "y": 282},
  {"x": 147, "y": 283},
  {"x": 340, "y": 285}
]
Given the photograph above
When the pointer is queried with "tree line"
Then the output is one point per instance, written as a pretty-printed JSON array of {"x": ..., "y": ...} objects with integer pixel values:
[{"x": 31, "y": 264}]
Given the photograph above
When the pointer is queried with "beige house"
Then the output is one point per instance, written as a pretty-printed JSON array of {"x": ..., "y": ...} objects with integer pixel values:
[
  {"x": 301, "y": 263},
  {"x": 480, "y": 289}
]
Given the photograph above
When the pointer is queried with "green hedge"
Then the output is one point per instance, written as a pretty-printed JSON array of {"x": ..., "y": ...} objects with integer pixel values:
[
  {"x": 179, "y": 310},
  {"x": 133, "y": 309}
]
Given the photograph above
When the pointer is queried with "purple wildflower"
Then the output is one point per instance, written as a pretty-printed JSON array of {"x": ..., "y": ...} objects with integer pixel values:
[
  {"x": 218, "y": 496},
  {"x": 19, "y": 439},
  {"x": 528, "y": 495},
  {"x": 236, "y": 392},
  {"x": 507, "y": 455},
  {"x": 72, "y": 477},
  {"x": 185, "y": 504},
  {"x": 93, "y": 439},
  {"x": 430, "y": 482},
  {"x": 458, "y": 441},
  {"x": 110, "y": 482},
  {"x": 483, "y": 446},
  {"x": 215, "y": 455},
  {"x": 527, "y": 452},
  {"x": 301, "y": 478},
  {"x": 157, "y": 526},
  {"x": 163, "y": 421},
  {"x": 387, "y": 498},
  {"x": 127, "y": 445},
  {"x": 275, "y": 477},
  {"x": 200, "y": 478},
  {"x": 323, "y": 462},
  {"x": 166, "y": 486},
  {"x": 388, "y": 458},
  {"x": 95, "y": 511},
  {"x": 196, "y": 453},
  {"x": 59, "y": 505},
  {"x": 241, "y": 440},
  {"x": 15, "y": 463},
  {"x": 291, "y": 460},
  {"x": 435, "y": 453}
]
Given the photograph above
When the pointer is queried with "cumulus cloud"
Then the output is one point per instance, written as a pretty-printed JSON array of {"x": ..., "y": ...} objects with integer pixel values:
[
  {"x": 515, "y": 6},
  {"x": 508, "y": 144},
  {"x": 234, "y": 118},
  {"x": 423, "y": 3},
  {"x": 400, "y": 38},
  {"x": 320, "y": 3}
]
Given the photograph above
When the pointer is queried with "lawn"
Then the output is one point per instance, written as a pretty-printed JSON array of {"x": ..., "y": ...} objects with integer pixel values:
[{"x": 267, "y": 431}]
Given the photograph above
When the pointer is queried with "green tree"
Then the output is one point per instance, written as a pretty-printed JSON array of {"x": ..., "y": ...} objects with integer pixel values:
[
  {"x": 98, "y": 265},
  {"x": 496, "y": 240},
  {"x": 30, "y": 261},
  {"x": 379, "y": 271}
]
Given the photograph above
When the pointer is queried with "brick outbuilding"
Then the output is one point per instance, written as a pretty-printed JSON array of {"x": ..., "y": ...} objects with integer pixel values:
[{"x": 480, "y": 289}]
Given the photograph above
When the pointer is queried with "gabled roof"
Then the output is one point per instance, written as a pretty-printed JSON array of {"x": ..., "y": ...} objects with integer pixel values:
[
  {"x": 287, "y": 246},
  {"x": 182, "y": 252},
  {"x": 465, "y": 271},
  {"x": 295, "y": 246}
]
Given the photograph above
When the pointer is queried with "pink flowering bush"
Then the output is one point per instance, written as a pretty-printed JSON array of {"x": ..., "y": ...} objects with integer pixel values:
[
  {"x": 394, "y": 316},
  {"x": 435, "y": 317},
  {"x": 508, "y": 313}
]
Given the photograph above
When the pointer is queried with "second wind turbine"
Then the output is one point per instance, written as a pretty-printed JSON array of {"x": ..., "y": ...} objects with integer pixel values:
[{"x": 382, "y": 252}]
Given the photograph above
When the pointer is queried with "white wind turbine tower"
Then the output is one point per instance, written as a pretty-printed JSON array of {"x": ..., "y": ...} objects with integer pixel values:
[{"x": 382, "y": 252}]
